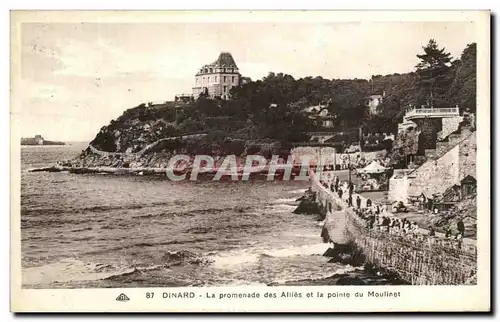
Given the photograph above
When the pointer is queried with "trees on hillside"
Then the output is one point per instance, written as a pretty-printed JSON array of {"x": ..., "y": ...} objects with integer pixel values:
[
  {"x": 435, "y": 73},
  {"x": 463, "y": 88},
  {"x": 272, "y": 108}
]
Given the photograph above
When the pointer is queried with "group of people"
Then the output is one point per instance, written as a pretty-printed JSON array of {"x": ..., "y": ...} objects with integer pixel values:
[
  {"x": 450, "y": 232},
  {"x": 388, "y": 224},
  {"x": 377, "y": 217}
]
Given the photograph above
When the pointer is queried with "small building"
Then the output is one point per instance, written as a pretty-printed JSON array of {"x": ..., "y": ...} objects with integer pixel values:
[
  {"x": 321, "y": 115},
  {"x": 185, "y": 98},
  {"x": 39, "y": 139},
  {"x": 373, "y": 101},
  {"x": 468, "y": 186}
]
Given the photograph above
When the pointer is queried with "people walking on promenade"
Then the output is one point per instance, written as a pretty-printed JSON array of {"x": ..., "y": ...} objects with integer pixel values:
[
  {"x": 447, "y": 233},
  {"x": 403, "y": 226},
  {"x": 397, "y": 226},
  {"x": 376, "y": 216},
  {"x": 414, "y": 228},
  {"x": 461, "y": 227}
]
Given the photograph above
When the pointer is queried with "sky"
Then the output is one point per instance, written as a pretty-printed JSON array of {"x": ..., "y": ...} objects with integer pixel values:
[{"x": 77, "y": 77}]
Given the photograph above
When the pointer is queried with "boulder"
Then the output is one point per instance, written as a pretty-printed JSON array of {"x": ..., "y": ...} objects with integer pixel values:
[{"x": 307, "y": 206}]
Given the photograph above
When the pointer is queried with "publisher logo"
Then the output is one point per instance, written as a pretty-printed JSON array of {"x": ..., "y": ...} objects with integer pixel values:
[{"x": 122, "y": 298}]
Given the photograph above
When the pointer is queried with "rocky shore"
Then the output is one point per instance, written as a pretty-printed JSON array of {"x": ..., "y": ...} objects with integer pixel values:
[{"x": 358, "y": 276}]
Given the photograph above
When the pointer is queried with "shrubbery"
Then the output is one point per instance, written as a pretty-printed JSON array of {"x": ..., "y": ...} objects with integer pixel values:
[{"x": 271, "y": 109}]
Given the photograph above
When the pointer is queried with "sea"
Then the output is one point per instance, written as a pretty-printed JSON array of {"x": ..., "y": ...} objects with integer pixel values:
[{"x": 93, "y": 230}]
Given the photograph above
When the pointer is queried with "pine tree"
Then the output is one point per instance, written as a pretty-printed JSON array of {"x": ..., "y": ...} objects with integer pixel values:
[
  {"x": 463, "y": 88},
  {"x": 434, "y": 71}
]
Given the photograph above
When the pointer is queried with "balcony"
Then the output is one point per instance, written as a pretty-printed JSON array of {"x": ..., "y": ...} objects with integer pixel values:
[{"x": 416, "y": 113}]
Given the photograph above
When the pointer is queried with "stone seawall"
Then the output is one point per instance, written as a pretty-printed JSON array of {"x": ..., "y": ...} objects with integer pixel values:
[{"x": 419, "y": 260}]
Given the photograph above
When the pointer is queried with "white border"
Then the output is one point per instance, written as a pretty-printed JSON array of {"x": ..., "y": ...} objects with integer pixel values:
[{"x": 213, "y": 4}]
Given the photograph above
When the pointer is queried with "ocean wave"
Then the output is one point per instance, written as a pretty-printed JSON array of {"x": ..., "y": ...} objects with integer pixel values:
[
  {"x": 318, "y": 276},
  {"x": 69, "y": 270},
  {"x": 297, "y": 191},
  {"x": 282, "y": 208},
  {"x": 81, "y": 229},
  {"x": 171, "y": 258},
  {"x": 253, "y": 255},
  {"x": 227, "y": 261},
  {"x": 223, "y": 227},
  {"x": 160, "y": 215},
  {"x": 35, "y": 212},
  {"x": 75, "y": 270},
  {"x": 194, "y": 212},
  {"x": 133, "y": 272},
  {"x": 143, "y": 245},
  {"x": 314, "y": 249},
  {"x": 285, "y": 200}
]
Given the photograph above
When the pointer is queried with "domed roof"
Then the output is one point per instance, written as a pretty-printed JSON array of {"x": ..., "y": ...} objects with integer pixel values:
[{"x": 225, "y": 59}]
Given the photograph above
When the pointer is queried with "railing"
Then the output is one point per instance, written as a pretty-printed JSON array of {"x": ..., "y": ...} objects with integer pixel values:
[{"x": 322, "y": 133}]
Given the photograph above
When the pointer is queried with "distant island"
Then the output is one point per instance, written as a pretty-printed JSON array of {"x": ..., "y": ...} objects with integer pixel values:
[{"x": 39, "y": 140}]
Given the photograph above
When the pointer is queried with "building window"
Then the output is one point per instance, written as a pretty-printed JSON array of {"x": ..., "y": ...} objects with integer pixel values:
[
  {"x": 203, "y": 80},
  {"x": 224, "y": 79},
  {"x": 209, "y": 79},
  {"x": 215, "y": 79},
  {"x": 225, "y": 89},
  {"x": 210, "y": 69},
  {"x": 232, "y": 79}
]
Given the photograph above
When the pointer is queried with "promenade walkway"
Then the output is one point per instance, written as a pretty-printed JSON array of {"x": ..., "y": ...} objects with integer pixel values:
[{"x": 327, "y": 177}]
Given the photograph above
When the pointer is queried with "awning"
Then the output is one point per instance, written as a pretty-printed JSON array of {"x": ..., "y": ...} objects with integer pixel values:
[{"x": 373, "y": 167}]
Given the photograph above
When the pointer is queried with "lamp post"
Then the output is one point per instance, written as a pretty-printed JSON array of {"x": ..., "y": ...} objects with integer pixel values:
[
  {"x": 349, "y": 167},
  {"x": 334, "y": 160}
]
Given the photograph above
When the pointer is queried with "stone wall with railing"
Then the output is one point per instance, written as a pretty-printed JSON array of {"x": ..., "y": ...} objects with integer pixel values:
[{"x": 431, "y": 112}]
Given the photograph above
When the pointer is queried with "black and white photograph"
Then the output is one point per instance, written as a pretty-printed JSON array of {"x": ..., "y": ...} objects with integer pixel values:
[{"x": 185, "y": 155}]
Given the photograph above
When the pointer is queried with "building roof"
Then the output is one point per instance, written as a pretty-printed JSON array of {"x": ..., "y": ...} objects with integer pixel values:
[
  {"x": 468, "y": 180},
  {"x": 225, "y": 59},
  {"x": 315, "y": 108},
  {"x": 373, "y": 167}
]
